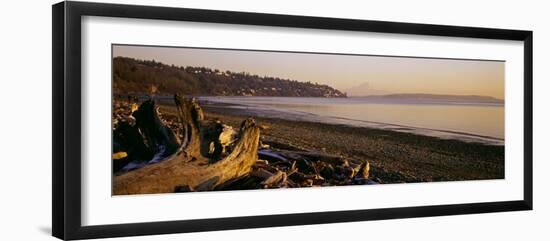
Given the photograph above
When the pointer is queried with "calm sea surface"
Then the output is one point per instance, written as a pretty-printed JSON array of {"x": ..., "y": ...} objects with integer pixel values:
[{"x": 450, "y": 120}]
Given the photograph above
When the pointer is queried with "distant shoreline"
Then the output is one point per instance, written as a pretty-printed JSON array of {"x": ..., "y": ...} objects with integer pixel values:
[{"x": 436, "y": 97}]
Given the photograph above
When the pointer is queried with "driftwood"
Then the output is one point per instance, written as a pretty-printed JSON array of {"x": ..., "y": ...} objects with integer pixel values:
[
  {"x": 278, "y": 168},
  {"x": 195, "y": 165}
]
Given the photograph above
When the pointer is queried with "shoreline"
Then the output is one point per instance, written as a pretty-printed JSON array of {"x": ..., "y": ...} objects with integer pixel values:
[
  {"x": 256, "y": 111},
  {"x": 395, "y": 157},
  {"x": 250, "y": 110}
]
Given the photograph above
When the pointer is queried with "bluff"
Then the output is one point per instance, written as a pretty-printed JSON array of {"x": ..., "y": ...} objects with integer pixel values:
[{"x": 133, "y": 76}]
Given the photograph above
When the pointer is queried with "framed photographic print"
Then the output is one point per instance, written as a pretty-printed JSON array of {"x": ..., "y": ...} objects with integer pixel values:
[{"x": 170, "y": 120}]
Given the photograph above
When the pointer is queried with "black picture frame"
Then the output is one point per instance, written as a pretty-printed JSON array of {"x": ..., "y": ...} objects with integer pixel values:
[{"x": 66, "y": 158}]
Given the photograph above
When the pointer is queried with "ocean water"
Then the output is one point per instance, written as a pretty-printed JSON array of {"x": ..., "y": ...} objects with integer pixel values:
[{"x": 468, "y": 121}]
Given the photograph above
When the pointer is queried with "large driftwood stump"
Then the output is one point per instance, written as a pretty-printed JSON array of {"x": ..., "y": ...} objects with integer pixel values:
[{"x": 189, "y": 168}]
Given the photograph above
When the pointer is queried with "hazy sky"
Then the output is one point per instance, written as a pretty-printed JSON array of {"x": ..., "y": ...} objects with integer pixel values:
[{"x": 357, "y": 75}]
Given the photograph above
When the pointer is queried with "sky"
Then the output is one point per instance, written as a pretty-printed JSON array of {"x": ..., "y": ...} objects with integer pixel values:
[{"x": 356, "y": 75}]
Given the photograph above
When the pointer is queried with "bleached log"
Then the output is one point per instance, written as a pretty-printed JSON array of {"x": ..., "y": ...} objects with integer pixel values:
[{"x": 188, "y": 167}]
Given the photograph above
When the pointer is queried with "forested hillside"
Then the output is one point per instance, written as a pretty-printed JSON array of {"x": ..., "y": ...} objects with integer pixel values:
[{"x": 132, "y": 76}]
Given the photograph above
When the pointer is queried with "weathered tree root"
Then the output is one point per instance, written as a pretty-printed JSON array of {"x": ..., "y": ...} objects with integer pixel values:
[{"x": 188, "y": 169}]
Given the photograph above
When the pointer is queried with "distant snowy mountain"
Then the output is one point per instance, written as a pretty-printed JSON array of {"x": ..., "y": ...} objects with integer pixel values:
[{"x": 364, "y": 89}]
